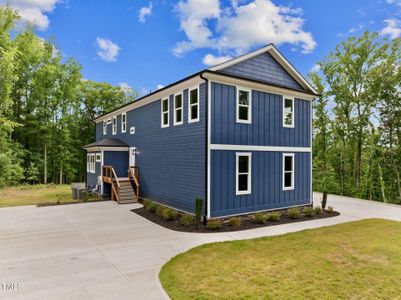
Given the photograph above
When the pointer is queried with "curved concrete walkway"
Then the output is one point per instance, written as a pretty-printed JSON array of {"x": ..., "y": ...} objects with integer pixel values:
[{"x": 104, "y": 251}]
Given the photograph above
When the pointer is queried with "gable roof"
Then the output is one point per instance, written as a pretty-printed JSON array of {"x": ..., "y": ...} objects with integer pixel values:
[
  {"x": 275, "y": 53},
  {"x": 107, "y": 142}
]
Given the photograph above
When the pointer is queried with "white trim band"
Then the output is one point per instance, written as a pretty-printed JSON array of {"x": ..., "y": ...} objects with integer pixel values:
[{"x": 259, "y": 148}]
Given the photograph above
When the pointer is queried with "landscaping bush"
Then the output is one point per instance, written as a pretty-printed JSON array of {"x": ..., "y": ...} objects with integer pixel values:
[
  {"x": 214, "y": 224},
  {"x": 152, "y": 207},
  {"x": 198, "y": 211},
  {"x": 187, "y": 220},
  {"x": 159, "y": 211},
  {"x": 235, "y": 222},
  {"x": 146, "y": 203},
  {"x": 260, "y": 218},
  {"x": 273, "y": 216},
  {"x": 293, "y": 213},
  {"x": 318, "y": 210},
  {"x": 169, "y": 214},
  {"x": 330, "y": 209},
  {"x": 309, "y": 212}
]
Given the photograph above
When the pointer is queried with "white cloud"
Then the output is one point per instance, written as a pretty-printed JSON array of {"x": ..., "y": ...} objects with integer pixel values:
[
  {"x": 211, "y": 60},
  {"x": 145, "y": 12},
  {"x": 398, "y": 2},
  {"x": 392, "y": 28},
  {"x": 315, "y": 68},
  {"x": 125, "y": 87},
  {"x": 237, "y": 28},
  {"x": 108, "y": 51},
  {"x": 33, "y": 11},
  {"x": 159, "y": 86}
]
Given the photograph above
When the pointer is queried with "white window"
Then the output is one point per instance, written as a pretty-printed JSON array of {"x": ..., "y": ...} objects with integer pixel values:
[
  {"x": 98, "y": 157},
  {"x": 244, "y": 105},
  {"x": 288, "y": 171},
  {"x": 193, "y": 105},
  {"x": 104, "y": 127},
  {"x": 165, "y": 113},
  {"x": 114, "y": 125},
  {"x": 132, "y": 130},
  {"x": 178, "y": 117},
  {"x": 288, "y": 112},
  {"x": 90, "y": 163},
  {"x": 124, "y": 123},
  {"x": 243, "y": 173}
]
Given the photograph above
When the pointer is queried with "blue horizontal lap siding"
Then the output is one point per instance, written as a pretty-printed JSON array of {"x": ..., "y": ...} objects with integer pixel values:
[
  {"x": 119, "y": 160},
  {"x": 171, "y": 160},
  {"x": 265, "y": 68},
  {"x": 266, "y": 128},
  {"x": 267, "y": 183}
]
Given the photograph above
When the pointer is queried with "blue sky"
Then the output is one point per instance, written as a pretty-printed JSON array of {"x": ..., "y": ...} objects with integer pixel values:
[{"x": 146, "y": 43}]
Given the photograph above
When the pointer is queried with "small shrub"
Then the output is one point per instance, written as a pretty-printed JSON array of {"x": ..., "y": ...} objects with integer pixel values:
[
  {"x": 169, "y": 214},
  {"x": 330, "y": 209},
  {"x": 146, "y": 203},
  {"x": 260, "y": 218},
  {"x": 235, "y": 222},
  {"x": 293, "y": 213},
  {"x": 152, "y": 207},
  {"x": 214, "y": 225},
  {"x": 198, "y": 211},
  {"x": 318, "y": 210},
  {"x": 309, "y": 212},
  {"x": 187, "y": 220},
  {"x": 159, "y": 211},
  {"x": 273, "y": 216}
]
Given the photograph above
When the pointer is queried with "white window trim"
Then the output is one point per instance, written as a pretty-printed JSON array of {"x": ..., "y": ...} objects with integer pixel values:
[
  {"x": 190, "y": 120},
  {"x": 114, "y": 125},
  {"x": 237, "y": 105},
  {"x": 288, "y": 188},
  {"x": 162, "y": 113},
  {"x": 98, "y": 157},
  {"x": 237, "y": 155},
  {"x": 293, "y": 112},
  {"x": 124, "y": 123},
  {"x": 104, "y": 127},
  {"x": 182, "y": 110},
  {"x": 92, "y": 163},
  {"x": 87, "y": 162}
]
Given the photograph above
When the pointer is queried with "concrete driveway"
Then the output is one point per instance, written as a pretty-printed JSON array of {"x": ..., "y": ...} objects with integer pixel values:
[{"x": 104, "y": 251}]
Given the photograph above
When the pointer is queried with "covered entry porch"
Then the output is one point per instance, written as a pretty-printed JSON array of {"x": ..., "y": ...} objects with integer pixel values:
[{"x": 111, "y": 170}]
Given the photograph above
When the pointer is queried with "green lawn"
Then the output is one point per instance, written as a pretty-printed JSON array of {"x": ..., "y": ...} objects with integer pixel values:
[
  {"x": 357, "y": 260},
  {"x": 35, "y": 194}
]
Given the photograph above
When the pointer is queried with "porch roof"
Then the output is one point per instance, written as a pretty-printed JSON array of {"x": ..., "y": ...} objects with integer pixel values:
[{"x": 107, "y": 142}]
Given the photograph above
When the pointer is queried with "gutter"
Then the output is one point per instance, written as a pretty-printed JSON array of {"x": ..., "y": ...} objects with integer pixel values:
[{"x": 206, "y": 145}]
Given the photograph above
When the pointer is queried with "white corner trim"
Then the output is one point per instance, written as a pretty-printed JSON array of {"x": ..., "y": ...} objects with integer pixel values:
[
  {"x": 175, "y": 123},
  {"x": 209, "y": 134},
  {"x": 258, "y": 148},
  {"x": 249, "y": 190},
  {"x": 292, "y": 125},
  {"x": 237, "y": 105},
  {"x": 292, "y": 187},
  {"x": 197, "y": 104}
]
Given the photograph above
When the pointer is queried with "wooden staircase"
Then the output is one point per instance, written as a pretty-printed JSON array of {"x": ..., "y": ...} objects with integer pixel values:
[{"x": 123, "y": 190}]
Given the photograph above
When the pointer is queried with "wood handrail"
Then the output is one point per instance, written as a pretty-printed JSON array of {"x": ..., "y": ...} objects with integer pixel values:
[
  {"x": 133, "y": 175},
  {"x": 110, "y": 176}
]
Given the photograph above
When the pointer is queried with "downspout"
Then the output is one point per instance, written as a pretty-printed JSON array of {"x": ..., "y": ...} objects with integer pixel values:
[{"x": 206, "y": 145}]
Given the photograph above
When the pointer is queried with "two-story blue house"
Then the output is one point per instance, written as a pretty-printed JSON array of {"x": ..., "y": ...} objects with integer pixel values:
[{"x": 238, "y": 135}]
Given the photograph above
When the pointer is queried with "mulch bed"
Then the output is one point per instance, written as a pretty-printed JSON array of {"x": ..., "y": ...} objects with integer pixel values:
[{"x": 246, "y": 223}]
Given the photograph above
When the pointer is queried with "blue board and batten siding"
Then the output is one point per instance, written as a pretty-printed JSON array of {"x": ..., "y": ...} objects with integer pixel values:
[
  {"x": 266, "y": 129},
  {"x": 171, "y": 160}
]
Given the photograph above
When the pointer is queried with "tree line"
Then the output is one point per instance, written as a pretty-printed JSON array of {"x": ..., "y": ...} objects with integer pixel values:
[
  {"x": 357, "y": 119},
  {"x": 46, "y": 108},
  {"x": 46, "y": 112}
]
